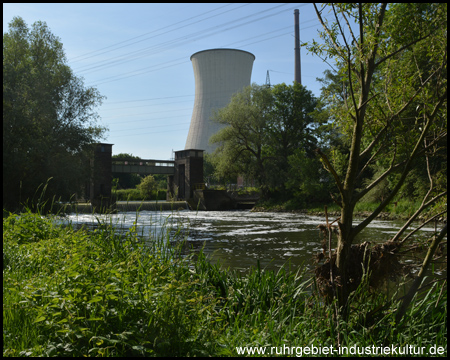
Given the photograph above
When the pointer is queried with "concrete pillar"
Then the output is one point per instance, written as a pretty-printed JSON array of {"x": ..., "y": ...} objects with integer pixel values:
[
  {"x": 188, "y": 174},
  {"x": 101, "y": 178}
]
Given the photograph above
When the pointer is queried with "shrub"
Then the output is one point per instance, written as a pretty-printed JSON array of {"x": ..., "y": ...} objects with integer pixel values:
[{"x": 147, "y": 186}]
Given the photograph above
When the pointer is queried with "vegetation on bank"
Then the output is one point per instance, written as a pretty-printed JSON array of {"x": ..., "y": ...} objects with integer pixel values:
[
  {"x": 377, "y": 134},
  {"x": 136, "y": 195},
  {"x": 370, "y": 142},
  {"x": 402, "y": 209},
  {"x": 49, "y": 117},
  {"x": 74, "y": 292}
]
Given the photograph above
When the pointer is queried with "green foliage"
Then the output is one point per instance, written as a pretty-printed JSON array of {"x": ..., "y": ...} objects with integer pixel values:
[
  {"x": 161, "y": 181},
  {"x": 388, "y": 99},
  {"x": 125, "y": 156},
  {"x": 307, "y": 179},
  {"x": 241, "y": 141},
  {"x": 128, "y": 195},
  {"x": 126, "y": 181},
  {"x": 209, "y": 175},
  {"x": 48, "y": 117},
  {"x": 136, "y": 195},
  {"x": 147, "y": 186},
  {"x": 265, "y": 127},
  {"x": 70, "y": 292}
]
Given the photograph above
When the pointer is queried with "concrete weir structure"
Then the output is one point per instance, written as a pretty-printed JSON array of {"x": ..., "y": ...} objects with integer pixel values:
[{"x": 219, "y": 73}]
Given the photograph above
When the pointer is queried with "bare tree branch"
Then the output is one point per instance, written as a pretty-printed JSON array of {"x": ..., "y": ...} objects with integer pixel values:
[
  {"x": 401, "y": 110},
  {"x": 349, "y": 64},
  {"x": 401, "y": 49},
  {"x": 406, "y": 170},
  {"x": 351, "y": 32},
  {"x": 335, "y": 44},
  {"x": 395, "y": 238},
  {"x": 374, "y": 183},
  {"x": 413, "y": 290},
  {"x": 330, "y": 168},
  {"x": 424, "y": 204}
]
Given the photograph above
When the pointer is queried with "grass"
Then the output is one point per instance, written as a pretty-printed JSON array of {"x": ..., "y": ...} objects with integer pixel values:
[{"x": 74, "y": 292}]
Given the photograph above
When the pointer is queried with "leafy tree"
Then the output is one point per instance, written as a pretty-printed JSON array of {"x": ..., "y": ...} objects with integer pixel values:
[
  {"x": 265, "y": 128},
  {"x": 393, "y": 64},
  {"x": 307, "y": 180},
  {"x": 127, "y": 181},
  {"x": 241, "y": 142},
  {"x": 147, "y": 186},
  {"x": 161, "y": 181},
  {"x": 209, "y": 175},
  {"x": 291, "y": 128},
  {"x": 292, "y": 124},
  {"x": 48, "y": 116}
]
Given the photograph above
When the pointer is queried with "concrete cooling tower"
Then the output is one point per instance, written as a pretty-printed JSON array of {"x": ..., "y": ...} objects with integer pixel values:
[{"x": 219, "y": 73}]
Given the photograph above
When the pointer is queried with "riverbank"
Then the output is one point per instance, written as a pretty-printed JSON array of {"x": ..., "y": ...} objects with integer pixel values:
[
  {"x": 403, "y": 212},
  {"x": 333, "y": 214},
  {"x": 123, "y": 206},
  {"x": 69, "y": 292}
]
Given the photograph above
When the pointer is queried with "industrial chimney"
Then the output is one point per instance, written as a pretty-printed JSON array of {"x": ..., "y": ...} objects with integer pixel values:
[
  {"x": 298, "y": 73},
  {"x": 219, "y": 73}
]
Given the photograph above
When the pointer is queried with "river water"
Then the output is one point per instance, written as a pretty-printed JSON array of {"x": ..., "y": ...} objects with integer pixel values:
[{"x": 238, "y": 239}]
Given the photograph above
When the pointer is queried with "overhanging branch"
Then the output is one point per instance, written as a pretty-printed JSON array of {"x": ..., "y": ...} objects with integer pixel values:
[{"x": 330, "y": 168}]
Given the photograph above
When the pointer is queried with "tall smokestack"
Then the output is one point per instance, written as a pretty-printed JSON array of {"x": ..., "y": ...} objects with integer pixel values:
[{"x": 298, "y": 73}]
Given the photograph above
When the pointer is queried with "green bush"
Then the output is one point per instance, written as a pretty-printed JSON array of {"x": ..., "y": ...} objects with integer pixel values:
[
  {"x": 128, "y": 195},
  {"x": 135, "y": 195},
  {"x": 147, "y": 187}
]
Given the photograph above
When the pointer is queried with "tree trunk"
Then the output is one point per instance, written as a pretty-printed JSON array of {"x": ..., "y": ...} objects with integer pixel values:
[{"x": 345, "y": 239}]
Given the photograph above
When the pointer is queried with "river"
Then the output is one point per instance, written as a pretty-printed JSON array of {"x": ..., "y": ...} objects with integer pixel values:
[{"x": 238, "y": 239}]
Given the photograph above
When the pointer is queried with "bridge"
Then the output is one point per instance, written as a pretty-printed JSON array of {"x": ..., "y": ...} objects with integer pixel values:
[
  {"x": 184, "y": 174},
  {"x": 143, "y": 166}
]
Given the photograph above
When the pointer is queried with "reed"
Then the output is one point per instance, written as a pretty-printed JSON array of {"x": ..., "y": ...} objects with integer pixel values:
[{"x": 80, "y": 292}]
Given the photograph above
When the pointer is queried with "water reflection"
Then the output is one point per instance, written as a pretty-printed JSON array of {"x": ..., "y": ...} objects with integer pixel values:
[{"x": 238, "y": 239}]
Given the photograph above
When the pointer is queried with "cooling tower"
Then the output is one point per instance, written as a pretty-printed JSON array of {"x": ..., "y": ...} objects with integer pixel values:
[{"x": 219, "y": 73}]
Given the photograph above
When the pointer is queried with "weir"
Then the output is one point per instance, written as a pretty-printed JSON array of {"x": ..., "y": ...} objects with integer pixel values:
[
  {"x": 184, "y": 180},
  {"x": 185, "y": 174}
]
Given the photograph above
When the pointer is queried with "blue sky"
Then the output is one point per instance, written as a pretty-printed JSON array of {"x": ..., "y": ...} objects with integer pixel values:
[{"x": 138, "y": 56}]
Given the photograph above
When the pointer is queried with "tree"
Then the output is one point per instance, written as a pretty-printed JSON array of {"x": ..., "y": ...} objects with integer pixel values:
[
  {"x": 48, "y": 117},
  {"x": 147, "y": 186},
  {"x": 209, "y": 175},
  {"x": 307, "y": 181},
  {"x": 265, "y": 128},
  {"x": 290, "y": 129},
  {"x": 241, "y": 142},
  {"x": 127, "y": 181},
  {"x": 394, "y": 64}
]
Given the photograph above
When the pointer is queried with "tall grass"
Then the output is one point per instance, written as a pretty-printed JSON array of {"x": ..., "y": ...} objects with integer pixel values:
[{"x": 69, "y": 292}]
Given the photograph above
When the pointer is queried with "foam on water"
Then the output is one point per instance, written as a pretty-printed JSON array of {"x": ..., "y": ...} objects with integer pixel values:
[{"x": 240, "y": 238}]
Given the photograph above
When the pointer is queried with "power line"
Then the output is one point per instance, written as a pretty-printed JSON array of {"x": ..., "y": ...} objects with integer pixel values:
[
  {"x": 140, "y": 114},
  {"x": 152, "y": 99},
  {"x": 134, "y": 107},
  {"x": 136, "y": 37},
  {"x": 122, "y": 76},
  {"x": 141, "y": 73},
  {"x": 150, "y": 127},
  {"x": 147, "y": 48},
  {"x": 125, "y": 76},
  {"x": 154, "y": 119},
  {"x": 257, "y": 36},
  {"x": 169, "y": 44},
  {"x": 153, "y": 132}
]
